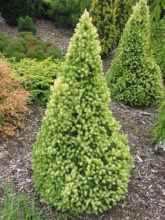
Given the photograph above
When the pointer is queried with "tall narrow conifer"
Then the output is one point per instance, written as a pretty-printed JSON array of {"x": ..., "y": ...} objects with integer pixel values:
[
  {"x": 134, "y": 77},
  {"x": 110, "y": 17},
  {"x": 80, "y": 161}
]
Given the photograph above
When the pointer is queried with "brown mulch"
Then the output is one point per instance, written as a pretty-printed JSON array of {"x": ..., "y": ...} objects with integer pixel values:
[{"x": 146, "y": 197}]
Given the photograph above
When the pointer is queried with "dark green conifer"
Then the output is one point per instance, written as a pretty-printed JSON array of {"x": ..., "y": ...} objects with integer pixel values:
[{"x": 110, "y": 17}]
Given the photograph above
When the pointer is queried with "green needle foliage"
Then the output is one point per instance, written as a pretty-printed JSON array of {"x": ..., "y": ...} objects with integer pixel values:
[
  {"x": 159, "y": 128},
  {"x": 134, "y": 77},
  {"x": 157, "y": 8},
  {"x": 110, "y": 17},
  {"x": 37, "y": 76},
  {"x": 80, "y": 161},
  {"x": 159, "y": 45}
]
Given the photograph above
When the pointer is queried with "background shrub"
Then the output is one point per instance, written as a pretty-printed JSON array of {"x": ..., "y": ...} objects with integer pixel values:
[
  {"x": 80, "y": 161},
  {"x": 157, "y": 9},
  {"x": 13, "y": 9},
  {"x": 134, "y": 77},
  {"x": 159, "y": 128},
  {"x": 159, "y": 45},
  {"x": 66, "y": 13},
  {"x": 26, "y": 45},
  {"x": 37, "y": 76},
  {"x": 13, "y": 100},
  {"x": 110, "y": 17},
  {"x": 26, "y": 24}
]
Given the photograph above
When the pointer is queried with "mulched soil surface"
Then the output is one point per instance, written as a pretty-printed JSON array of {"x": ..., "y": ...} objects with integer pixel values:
[{"x": 146, "y": 197}]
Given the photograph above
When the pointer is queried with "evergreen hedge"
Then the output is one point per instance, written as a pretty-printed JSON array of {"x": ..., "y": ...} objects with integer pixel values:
[
  {"x": 134, "y": 77},
  {"x": 80, "y": 161}
]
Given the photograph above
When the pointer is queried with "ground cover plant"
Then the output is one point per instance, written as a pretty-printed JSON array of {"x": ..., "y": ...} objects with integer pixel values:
[
  {"x": 37, "y": 76},
  {"x": 81, "y": 163},
  {"x": 26, "y": 45},
  {"x": 13, "y": 100},
  {"x": 134, "y": 77},
  {"x": 110, "y": 17}
]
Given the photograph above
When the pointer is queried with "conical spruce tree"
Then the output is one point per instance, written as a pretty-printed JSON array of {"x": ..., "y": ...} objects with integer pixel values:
[
  {"x": 159, "y": 128},
  {"x": 80, "y": 161},
  {"x": 134, "y": 77},
  {"x": 110, "y": 17}
]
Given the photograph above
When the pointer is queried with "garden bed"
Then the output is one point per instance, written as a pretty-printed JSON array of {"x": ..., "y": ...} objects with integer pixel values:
[{"x": 146, "y": 197}]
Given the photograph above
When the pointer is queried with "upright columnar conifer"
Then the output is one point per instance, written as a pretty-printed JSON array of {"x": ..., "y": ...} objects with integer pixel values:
[
  {"x": 80, "y": 161},
  {"x": 134, "y": 77},
  {"x": 110, "y": 17}
]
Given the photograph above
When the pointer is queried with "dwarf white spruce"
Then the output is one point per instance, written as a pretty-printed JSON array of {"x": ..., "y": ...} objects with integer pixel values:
[
  {"x": 81, "y": 162},
  {"x": 134, "y": 77}
]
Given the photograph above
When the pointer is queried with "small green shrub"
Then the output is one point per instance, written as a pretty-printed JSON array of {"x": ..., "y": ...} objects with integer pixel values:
[
  {"x": 66, "y": 13},
  {"x": 26, "y": 45},
  {"x": 13, "y": 9},
  {"x": 159, "y": 128},
  {"x": 134, "y": 77},
  {"x": 37, "y": 76},
  {"x": 14, "y": 48},
  {"x": 26, "y": 24},
  {"x": 159, "y": 45},
  {"x": 18, "y": 207},
  {"x": 81, "y": 163}
]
